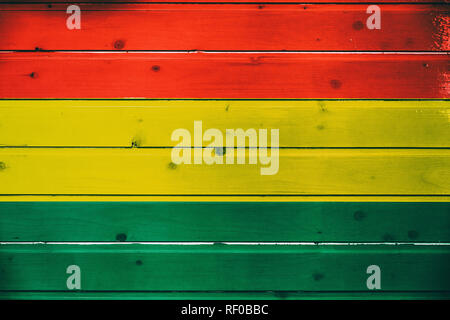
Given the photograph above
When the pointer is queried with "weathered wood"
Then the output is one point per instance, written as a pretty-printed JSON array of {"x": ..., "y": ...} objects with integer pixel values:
[
  {"x": 224, "y": 267},
  {"x": 279, "y": 208},
  {"x": 225, "y": 221},
  {"x": 241, "y": 27},
  {"x": 150, "y": 123},
  {"x": 151, "y": 171},
  {"x": 223, "y": 75}
]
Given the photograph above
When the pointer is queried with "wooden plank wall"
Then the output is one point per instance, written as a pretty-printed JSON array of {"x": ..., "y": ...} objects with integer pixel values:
[{"x": 88, "y": 181}]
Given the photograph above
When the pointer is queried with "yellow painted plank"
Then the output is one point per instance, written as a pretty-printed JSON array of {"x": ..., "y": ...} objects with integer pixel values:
[
  {"x": 151, "y": 171},
  {"x": 149, "y": 123},
  {"x": 219, "y": 198}
]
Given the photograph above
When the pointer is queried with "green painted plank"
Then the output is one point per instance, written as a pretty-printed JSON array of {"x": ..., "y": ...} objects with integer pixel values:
[
  {"x": 135, "y": 267},
  {"x": 225, "y": 221},
  {"x": 211, "y": 295}
]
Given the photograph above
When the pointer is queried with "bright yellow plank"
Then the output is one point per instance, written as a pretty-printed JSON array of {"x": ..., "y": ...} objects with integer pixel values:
[
  {"x": 151, "y": 171},
  {"x": 281, "y": 198},
  {"x": 351, "y": 123}
]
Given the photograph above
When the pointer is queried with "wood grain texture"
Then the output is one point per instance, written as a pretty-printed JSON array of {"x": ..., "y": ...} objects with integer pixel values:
[
  {"x": 225, "y": 221},
  {"x": 224, "y": 267},
  {"x": 150, "y": 123},
  {"x": 224, "y": 203},
  {"x": 223, "y": 75},
  {"x": 151, "y": 171},
  {"x": 225, "y": 27}
]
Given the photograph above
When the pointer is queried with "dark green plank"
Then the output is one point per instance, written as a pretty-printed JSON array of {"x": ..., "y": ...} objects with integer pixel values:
[
  {"x": 155, "y": 267},
  {"x": 214, "y": 295},
  {"x": 225, "y": 221}
]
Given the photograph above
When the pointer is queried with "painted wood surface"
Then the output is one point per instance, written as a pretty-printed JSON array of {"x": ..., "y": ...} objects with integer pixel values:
[
  {"x": 51, "y": 3},
  {"x": 215, "y": 295},
  {"x": 151, "y": 171},
  {"x": 84, "y": 173},
  {"x": 223, "y": 75},
  {"x": 241, "y": 27},
  {"x": 224, "y": 267},
  {"x": 150, "y": 123},
  {"x": 222, "y": 198},
  {"x": 225, "y": 221}
]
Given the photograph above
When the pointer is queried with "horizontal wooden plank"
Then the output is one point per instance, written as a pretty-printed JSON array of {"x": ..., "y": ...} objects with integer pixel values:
[
  {"x": 51, "y": 3},
  {"x": 214, "y": 295},
  {"x": 150, "y": 123},
  {"x": 222, "y": 198},
  {"x": 225, "y": 221},
  {"x": 223, "y": 75},
  {"x": 152, "y": 171},
  {"x": 224, "y": 267},
  {"x": 225, "y": 27}
]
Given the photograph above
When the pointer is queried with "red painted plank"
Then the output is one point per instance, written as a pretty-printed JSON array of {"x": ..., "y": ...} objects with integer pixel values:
[
  {"x": 226, "y": 27},
  {"x": 229, "y": 1},
  {"x": 223, "y": 75}
]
